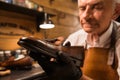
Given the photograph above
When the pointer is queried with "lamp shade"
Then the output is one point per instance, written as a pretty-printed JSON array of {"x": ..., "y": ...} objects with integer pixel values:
[{"x": 48, "y": 24}]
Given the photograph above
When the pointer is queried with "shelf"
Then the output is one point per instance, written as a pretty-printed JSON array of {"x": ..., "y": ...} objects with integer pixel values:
[
  {"x": 19, "y": 9},
  {"x": 22, "y": 10},
  {"x": 26, "y": 11}
]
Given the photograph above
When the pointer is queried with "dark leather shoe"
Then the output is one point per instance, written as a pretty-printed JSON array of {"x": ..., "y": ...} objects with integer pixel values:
[{"x": 25, "y": 62}]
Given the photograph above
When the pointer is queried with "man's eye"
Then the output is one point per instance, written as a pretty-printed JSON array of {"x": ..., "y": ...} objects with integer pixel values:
[
  {"x": 82, "y": 8},
  {"x": 99, "y": 7}
]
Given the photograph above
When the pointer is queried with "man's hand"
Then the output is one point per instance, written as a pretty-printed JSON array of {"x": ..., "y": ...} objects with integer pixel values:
[
  {"x": 62, "y": 68},
  {"x": 57, "y": 41}
]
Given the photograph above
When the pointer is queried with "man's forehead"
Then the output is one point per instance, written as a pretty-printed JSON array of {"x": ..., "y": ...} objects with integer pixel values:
[{"x": 83, "y": 2}]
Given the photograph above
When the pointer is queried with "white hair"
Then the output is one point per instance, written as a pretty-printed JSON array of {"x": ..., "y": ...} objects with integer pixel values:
[
  {"x": 117, "y": 1},
  {"x": 114, "y": 3}
]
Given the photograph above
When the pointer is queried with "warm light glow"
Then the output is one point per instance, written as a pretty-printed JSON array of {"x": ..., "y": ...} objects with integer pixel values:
[{"x": 47, "y": 26}]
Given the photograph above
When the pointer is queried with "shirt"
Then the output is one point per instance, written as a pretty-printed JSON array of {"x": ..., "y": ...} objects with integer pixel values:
[{"x": 79, "y": 38}]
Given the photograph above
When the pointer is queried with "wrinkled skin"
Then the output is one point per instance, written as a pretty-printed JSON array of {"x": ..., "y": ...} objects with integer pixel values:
[{"x": 95, "y": 15}]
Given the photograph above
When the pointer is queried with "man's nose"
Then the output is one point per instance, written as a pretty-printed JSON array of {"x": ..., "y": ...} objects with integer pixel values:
[{"x": 87, "y": 14}]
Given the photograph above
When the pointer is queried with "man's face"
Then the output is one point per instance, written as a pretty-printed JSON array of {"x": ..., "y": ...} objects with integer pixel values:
[{"x": 95, "y": 15}]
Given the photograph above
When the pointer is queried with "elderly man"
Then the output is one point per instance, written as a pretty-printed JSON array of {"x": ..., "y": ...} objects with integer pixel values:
[{"x": 100, "y": 36}]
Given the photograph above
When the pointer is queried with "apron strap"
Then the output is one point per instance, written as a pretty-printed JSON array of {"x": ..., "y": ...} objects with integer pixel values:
[
  {"x": 112, "y": 50},
  {"x": 112, "y": 58}
]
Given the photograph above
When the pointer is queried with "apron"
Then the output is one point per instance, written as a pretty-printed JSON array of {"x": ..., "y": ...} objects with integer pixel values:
[
  {"x": 95, "y": 62},
  {"x": 96, "y": 67}
]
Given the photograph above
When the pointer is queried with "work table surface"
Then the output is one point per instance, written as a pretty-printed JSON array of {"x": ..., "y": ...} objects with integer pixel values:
[{"x": 36, "y": 73}]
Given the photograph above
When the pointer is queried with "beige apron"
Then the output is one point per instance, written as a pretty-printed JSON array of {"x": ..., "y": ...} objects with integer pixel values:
[
  {"x": 96, "y": 59},
  {"x": 95, "y": 65}
]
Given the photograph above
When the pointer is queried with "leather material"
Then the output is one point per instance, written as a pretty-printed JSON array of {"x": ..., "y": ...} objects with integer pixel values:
[
  {"x": 21, "y": 63},
  {"x": 95, "y": 65},
  {"x": 46, "y": 49},
  {"x": 77, "y": 52}
]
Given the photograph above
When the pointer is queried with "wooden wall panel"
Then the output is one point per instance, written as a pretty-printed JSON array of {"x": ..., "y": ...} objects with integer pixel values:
[
  {"x": 66, "y": 16},
  {"x": 66, "y": 6},
  {"x": 12, "y": 27},
  {"x": 65, "y": 20}
]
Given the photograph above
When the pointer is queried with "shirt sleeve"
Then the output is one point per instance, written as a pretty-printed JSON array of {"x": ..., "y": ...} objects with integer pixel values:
[{"x": 76, "y": 39}]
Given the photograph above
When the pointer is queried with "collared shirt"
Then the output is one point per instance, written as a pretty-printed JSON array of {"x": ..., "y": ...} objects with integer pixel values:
[
  {"x": 79, "y": 39},
  {"x": 104, "y": 39}
]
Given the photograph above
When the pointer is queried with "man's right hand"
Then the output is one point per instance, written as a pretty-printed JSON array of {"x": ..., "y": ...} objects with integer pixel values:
[{"x": 59, "y": 41}]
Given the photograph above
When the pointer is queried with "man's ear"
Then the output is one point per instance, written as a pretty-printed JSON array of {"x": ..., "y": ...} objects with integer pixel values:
[{"x": 116, "y": 11}]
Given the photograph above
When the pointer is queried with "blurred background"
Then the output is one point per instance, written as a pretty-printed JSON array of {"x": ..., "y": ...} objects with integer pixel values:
[{"x": 20, "y": 18}]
